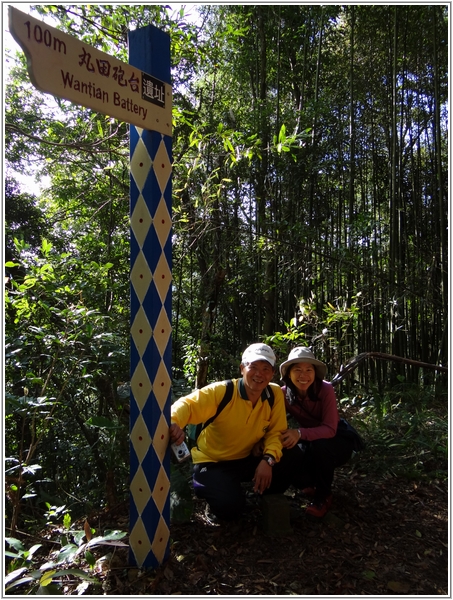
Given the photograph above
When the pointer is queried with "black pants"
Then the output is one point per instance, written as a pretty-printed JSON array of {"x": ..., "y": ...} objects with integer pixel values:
[
  {"x": 220, "y": 484},
  {"x": 312, "y": 465}
]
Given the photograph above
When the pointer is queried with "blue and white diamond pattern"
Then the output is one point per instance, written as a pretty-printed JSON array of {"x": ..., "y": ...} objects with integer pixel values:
[{"x": 150, "y": 346}]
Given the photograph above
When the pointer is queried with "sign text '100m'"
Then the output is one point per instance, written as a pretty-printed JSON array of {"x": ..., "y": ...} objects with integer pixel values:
[{"x": 45, "y": 37}]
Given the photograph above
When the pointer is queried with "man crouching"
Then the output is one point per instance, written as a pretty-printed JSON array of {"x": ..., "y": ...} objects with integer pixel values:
[{"x": 243, "y": 442}]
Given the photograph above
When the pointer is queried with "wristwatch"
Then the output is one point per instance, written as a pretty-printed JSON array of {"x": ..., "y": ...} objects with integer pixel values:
[{"x": 269, "y": 459}]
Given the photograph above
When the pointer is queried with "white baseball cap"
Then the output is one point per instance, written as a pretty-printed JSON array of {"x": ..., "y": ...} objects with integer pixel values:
[{"x": 259, "y": 352}]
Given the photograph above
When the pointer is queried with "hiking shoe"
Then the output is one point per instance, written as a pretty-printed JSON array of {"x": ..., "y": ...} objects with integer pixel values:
[{"x": 319, "y": 509}]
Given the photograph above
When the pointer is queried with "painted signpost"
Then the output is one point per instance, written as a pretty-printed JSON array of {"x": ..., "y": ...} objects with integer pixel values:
[
  {"x": 138, "y": 93},
  {"x": 151, "y": 230}
]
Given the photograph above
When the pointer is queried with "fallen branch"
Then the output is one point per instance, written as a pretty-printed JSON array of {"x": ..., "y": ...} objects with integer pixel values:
[{"x": 352, "y": 364}]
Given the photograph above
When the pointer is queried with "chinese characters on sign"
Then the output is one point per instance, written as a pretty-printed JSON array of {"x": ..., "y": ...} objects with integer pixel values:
[
  {"x": 153, "y": 90},
  {"x": 65, "y": 67},
  {"x": 105, "y": 70}
]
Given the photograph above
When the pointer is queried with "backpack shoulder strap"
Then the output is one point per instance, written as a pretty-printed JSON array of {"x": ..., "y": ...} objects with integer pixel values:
[
  {"x": 270, "y": 395},
  {"x": 226, "y": 398}
]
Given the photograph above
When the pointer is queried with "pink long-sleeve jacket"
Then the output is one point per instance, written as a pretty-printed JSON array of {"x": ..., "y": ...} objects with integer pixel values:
[{"x": 317, "y": 419}]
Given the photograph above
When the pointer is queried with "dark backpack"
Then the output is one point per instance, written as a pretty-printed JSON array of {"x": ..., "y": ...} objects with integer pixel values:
[{"x": 195, "y": 430}]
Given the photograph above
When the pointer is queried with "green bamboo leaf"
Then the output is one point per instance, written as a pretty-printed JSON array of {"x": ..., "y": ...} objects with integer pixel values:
[
  {"x": 15, "y": 543},
  {"x": 46, "y": 578},
  {"x": 77, "y": 573},
  {"x": 109, "y": 539},
  {"x": 67, "y": 552},
  {"x": 22, "y": 581},
  {"x": 14, "y": 575},
  {"x": 90, "y": 558},
  {"x": 102, "y": 422}
]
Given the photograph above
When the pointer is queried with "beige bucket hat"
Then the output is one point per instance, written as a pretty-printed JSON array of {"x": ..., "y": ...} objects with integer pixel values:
[{"x": 303, "y": 355}]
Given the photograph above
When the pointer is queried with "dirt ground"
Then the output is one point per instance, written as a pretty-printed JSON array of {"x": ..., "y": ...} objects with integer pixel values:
[{"x": 382, "y": 536}]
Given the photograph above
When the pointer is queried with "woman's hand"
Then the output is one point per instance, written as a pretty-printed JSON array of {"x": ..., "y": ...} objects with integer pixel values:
[{"x": 290, "y": 438}]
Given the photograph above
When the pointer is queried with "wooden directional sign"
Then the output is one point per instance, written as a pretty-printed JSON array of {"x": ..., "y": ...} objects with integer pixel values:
[{"x": 66, "y": 67}]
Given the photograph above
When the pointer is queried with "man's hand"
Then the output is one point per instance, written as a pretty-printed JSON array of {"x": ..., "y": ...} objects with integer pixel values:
[
  {"x": 290, "y": 437},
  {"x": 177, "y": 435},
  {"x": 263, "y": 477}
]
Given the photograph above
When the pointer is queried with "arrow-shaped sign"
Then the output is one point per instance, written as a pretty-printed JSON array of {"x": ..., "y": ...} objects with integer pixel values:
[{"x": 63, "y": 66}]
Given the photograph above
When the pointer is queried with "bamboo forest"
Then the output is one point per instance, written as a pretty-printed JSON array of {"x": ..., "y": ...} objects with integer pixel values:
[{"x": 309, "y": 208}]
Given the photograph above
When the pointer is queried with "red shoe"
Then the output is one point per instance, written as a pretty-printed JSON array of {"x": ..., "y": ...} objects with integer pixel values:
[
  {"x": 308, "y": 492},
  {"x": 319, "y": 509}
]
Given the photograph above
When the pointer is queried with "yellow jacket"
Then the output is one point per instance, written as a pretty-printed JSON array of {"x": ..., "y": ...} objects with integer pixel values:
[{"x": 239, "y": 426}]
